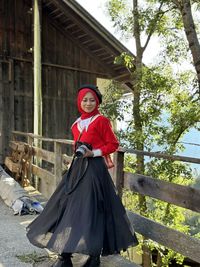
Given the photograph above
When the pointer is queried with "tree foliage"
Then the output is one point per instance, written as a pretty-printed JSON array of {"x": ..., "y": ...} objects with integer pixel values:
[{"x": 165, "y": 97}]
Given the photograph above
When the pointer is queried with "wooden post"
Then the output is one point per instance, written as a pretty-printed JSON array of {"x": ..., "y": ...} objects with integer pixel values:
[
  {"x": 37, "y": 127},
  {"x": 37, "y": 72},
  {"x": 118, "y": 176},
  {"x": 30, "y": 141},
  {"x": 58, "y": 163},
  {"x": 1, "y": 114}
]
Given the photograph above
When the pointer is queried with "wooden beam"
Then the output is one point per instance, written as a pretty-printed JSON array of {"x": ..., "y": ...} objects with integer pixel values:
[
  {"x": 73, "y": 68},
  {"x": 67, "y": 8},
  {"x": 44, "y": 154},
  {"x": 44, "y": 174},
  {"x": 177, "y": 241},
  {"x": 62, "y": 66},
  {"x": 63, "y": 141},
  {"x": 179, "y": 195},
  {"x": 37, "y": 70},
  {"x": 160, "y": 155},
  {"x": 92, "y": 26}
]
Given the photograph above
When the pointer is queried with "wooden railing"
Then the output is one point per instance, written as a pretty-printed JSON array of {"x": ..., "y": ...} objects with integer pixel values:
[
  {"x": 24, "y": 166},
  {"x": 179, "y": 195}
]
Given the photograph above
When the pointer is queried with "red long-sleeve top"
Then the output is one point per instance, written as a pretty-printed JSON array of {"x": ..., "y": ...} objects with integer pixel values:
[{"x": 99, "y": 134}]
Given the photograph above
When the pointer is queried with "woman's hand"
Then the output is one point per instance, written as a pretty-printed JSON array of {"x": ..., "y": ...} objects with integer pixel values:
[{"x": 88, "y": 153}]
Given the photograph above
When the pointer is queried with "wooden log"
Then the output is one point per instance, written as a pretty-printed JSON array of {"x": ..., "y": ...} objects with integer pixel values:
[
  {"x": 182, "y": 196},
  {"x": 17, "y": 145},
  {"x": 12, "y": 166},
  {"x": 175, "y": 240}
]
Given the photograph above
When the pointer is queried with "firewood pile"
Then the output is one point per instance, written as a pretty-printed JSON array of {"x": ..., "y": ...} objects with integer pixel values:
[{"x": 19, "y": 162}]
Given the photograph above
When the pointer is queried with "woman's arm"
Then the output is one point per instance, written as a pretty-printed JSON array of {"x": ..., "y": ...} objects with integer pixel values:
[{"x": 110, "y": 142}]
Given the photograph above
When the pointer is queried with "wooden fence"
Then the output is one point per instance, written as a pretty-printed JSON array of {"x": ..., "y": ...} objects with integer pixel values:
[
  {"x": 25, "y": 154},
  {"x": 179, "y": 195}
]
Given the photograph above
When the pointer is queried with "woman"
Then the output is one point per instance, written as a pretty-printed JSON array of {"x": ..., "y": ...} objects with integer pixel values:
[{"x": 85, "y": 215}]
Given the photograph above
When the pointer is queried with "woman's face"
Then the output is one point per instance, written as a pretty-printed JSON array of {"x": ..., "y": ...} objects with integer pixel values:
[{"x": 88, "y": 103}]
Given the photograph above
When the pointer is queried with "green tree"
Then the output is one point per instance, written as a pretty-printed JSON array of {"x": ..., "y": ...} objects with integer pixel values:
[{"x": 157, "y": 88}]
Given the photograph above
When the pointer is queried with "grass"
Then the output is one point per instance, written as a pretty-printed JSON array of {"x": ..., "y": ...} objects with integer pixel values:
[{"x": 32, "y": 258}]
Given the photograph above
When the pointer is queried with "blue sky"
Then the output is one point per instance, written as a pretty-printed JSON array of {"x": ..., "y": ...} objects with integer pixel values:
[{"x": 98, "y": 10}]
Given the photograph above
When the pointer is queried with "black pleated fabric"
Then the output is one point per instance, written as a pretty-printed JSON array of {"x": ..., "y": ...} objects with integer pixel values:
[{"x": 84, "y": 215}]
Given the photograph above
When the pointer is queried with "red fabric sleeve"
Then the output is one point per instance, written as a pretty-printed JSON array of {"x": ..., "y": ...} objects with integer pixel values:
[{"x": 109, "y": 139}]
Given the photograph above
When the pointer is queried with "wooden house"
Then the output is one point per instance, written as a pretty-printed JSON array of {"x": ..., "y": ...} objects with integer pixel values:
[{"x": 76, "y": 49}]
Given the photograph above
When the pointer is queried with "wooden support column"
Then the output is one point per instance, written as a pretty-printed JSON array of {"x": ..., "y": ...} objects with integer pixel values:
[
  {"x": 37, "y": 127},
  {"x": 37, "y": 70},
  {"x": 118, "y": 176}
]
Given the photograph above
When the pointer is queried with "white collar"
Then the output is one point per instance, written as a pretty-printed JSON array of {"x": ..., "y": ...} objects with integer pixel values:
[{"x": 88, "y": 120}]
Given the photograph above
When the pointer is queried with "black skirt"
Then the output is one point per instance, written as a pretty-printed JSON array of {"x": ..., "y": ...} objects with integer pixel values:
[{"x": 84, "y": 214}]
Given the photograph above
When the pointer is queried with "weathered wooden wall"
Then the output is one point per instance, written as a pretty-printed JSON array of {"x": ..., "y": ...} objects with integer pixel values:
[{"x": 65, "y": 66}]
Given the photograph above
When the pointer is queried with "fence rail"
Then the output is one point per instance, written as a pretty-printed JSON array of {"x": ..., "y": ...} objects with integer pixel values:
[{"x": 179, "y": 195}]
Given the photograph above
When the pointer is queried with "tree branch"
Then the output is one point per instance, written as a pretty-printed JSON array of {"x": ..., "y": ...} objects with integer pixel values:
[{"x": 158, "y": 15}]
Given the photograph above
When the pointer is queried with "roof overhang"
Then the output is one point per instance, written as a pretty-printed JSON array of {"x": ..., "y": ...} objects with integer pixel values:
[{"x": 84, "y": 29}]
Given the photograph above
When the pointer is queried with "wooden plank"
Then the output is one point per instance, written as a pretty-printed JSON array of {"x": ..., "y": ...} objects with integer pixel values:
[
  {"x": 160, "y": 155},
  {"x": 44, "y": 174},
  {"x": 182, "y": 196},
  {"x": 177, "y": 241},
  {"x": 63, "y": 141},
  {"x": 44, "y": 154},
  {"x": 41, "y": 153},
  {"x": 90, "y": 55},
  {"x": 7, "y": 106},
  {"x": 58, "y": 163},
  {"x": 38, "y": 152},
  {"x": 10, "y": 97}
]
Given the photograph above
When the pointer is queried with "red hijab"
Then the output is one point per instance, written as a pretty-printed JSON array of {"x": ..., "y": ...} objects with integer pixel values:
[{"x": 81, "y": 94}]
